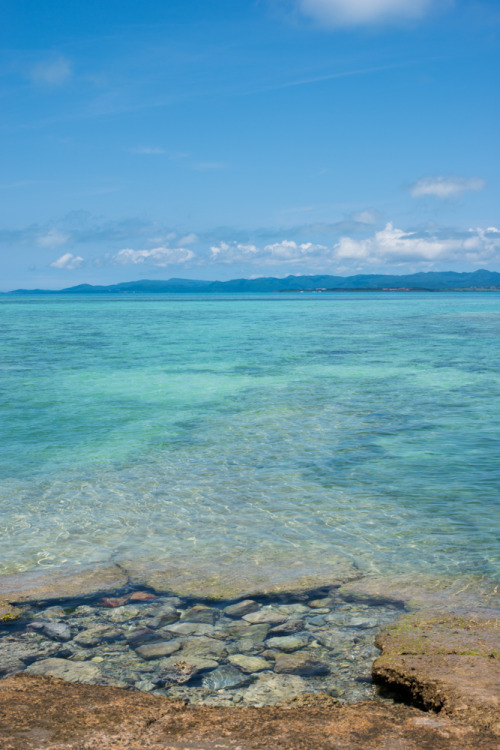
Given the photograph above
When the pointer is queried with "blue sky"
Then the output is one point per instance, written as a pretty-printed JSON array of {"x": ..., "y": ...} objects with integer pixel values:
[{"x": 221, "y": 139}]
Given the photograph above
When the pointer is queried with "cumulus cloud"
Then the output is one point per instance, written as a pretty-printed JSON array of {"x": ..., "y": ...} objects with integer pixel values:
[
  {"x": 445, "y": 187},
  {"x": 287, "y": 251},
  {"x": 158, "y": 256},
  {"x": 53, "y": 72},
  {"x": 52, "y": 238},
  {"x": 68, "y": 262},
  {"x": 360, "y": 12},
  {"x": 388, "y": 247},
  {"x": 392, "y": 245}
]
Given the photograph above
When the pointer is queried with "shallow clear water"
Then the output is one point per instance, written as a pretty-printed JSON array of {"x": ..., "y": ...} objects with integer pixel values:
[{"x": 252, "y": 428}]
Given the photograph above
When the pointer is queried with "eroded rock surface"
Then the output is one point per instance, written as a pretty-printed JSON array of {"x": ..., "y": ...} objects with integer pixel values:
[
  {"x": 41, "y": 713},
  {"x": 445, "y": 663}
]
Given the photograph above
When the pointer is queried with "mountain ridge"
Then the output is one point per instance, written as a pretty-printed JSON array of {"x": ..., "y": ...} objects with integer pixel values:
[{"x": 428, "y": 280}]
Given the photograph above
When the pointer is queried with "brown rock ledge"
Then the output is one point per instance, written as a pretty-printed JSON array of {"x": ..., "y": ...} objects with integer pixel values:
[
  {"x": 445, "y": 663},
  {"x": 43, "y": 713}
]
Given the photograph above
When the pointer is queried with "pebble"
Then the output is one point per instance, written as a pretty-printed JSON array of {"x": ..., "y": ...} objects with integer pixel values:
[
  {"x": 177, "y": 671},
  {"x": 142, "y": 635},
  {"x": 124, "y": 614},
  {"x": 141, "y": 596},
  {"x": 361, "y": 622},
  {"x": 249, "y": 664},
  {"x": 289, "y": 627},
  {"x": 98, "y": 634},
  {"x": 241, "y": 608},
  {"x": 225, "y": 677},
  {"x": 204, "y": 646},
  {"x": 56, "y": 631},
  {"x": 300, "y": 664},
  {"x": 190, "y": 628},
  {"x": 320, "y": 603},
  {"x": 53, "y": 613},
  {"x": 288, "y": 642},
  {"x": 158, "y": 649},
  {"x": 244, "y": 645},
  {"x": 317, "y": 620},
  {"x": 113, "y": 601},
  {"x": 200, "y": 613},
  {"x": 165, "y": 616},
  {"x": 267, "y": 616},
  {"x": 145, "y": 686},
  {"x": 269, "y": 688}
]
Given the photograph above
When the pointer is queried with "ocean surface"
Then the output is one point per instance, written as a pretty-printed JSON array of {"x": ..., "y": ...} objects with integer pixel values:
[{"x": 254, "y": 429}]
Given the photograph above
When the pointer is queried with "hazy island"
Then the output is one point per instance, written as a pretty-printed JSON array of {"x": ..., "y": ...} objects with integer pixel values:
[{"x": 432, "y": 281}]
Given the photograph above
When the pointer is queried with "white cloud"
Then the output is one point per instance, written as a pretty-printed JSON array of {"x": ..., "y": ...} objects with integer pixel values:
[
  {"x": 51, "y": 72},
  {"x": 287, "y": 251},
  {"x": 445, "y": 187},
  {"x": 158, "y": 256},
  {"x": 67, "y": 261},
  {"x": 189, "y": 239},
  {"x": 359, "y": 12},
  {"x": 52, "y": 238},
  {"x": 388, "y": 247},
  {"x": 392, "y": 245}
]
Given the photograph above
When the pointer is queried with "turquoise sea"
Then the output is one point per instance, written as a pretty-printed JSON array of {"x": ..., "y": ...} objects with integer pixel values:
[{"x": 253, "y": 429}]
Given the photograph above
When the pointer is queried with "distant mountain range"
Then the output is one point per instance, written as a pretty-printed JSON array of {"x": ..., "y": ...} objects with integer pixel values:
[{"x": 434, "y": 281}]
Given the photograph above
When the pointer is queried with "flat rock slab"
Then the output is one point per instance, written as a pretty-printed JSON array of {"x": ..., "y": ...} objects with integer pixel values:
[
  {"x": 444, "y": 662},
  {"x": 59, "y": 583},
  {"x": 41, "y": 713},
  {"x": 237, "y": 579},
  {"x": 425, "y": 591}
]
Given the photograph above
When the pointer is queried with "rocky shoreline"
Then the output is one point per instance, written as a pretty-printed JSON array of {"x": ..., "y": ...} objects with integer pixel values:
[
  {"x": 251, "y": 651},
  {"x": 205, "y": 672}
]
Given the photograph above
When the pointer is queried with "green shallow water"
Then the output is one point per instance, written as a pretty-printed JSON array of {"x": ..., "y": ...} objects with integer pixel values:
[{"x": 264, "y": 429}]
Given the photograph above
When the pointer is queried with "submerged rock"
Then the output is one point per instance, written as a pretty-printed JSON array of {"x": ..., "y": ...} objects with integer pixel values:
[
  {"x": 190, "y": 628},
  {"x": 56, "y": 631},
  {"x": 249, "y": 664},
  {"x": 98, "y": 634},
  {"x": 300, "y": 664},
  {"x": 225, "y": 677},
  {"x": 123, "y": 614},
  {"x": 266, "y": 616},
  {"x": 289, "y": 627},
  {"x": 200, "y": 613},
  {"x": 272, "y": 688},
  {"x": 157, "y": 650},
  {"x": 165, "y": 616},
  {"x": 178, "y": 671},
  {"x": 288, "y": 642},
  {"x": 141, "y": 596},
  {"x": 204, "y": 647},
  {"x": 241, "y": 608},
  {"x": 320, "y": 603},
  {"x": 143, "y": 635},
  {"x": 71, "y": 671}
]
